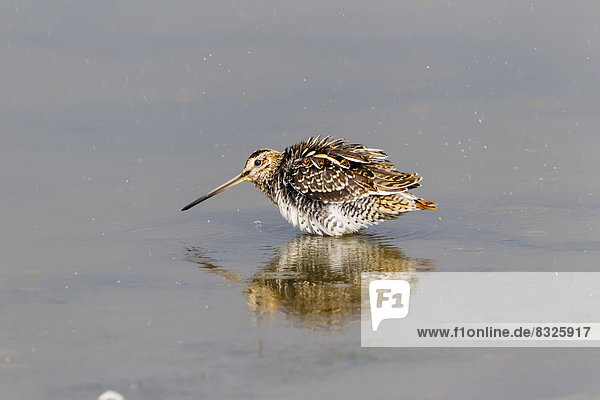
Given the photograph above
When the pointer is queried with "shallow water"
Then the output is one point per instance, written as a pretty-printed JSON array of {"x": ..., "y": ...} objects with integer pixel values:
[{"x": 115, "y": 115}]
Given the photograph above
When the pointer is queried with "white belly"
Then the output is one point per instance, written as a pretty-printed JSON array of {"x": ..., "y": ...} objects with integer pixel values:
[{"x": 326, "y": 219}]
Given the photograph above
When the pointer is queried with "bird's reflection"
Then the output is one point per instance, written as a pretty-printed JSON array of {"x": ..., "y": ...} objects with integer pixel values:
[{"x": 316, "y": 280}]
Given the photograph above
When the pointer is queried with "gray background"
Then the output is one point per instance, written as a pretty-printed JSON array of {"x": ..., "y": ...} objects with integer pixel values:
[{"x": 115, "y": 114}]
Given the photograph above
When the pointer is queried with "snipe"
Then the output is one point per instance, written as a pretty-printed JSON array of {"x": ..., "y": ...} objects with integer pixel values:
[{"x": 328, "y": 186}]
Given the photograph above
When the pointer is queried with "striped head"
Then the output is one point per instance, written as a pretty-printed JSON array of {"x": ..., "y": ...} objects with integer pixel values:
[{"x": 261, "y": 165}]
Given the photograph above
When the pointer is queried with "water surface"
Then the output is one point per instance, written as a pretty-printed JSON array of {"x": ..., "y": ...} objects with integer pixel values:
[{"x": 116, "y": 114}]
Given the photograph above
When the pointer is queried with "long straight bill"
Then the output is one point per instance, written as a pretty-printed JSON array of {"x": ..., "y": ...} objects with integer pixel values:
[{"x": 223, "y": 187}]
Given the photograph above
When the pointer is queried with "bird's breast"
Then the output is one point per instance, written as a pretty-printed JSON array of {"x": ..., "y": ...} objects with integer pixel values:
[{"x": 317, "y": 217}]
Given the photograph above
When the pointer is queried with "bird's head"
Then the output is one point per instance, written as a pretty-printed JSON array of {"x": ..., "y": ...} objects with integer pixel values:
[{"x": 261, "y": 165}]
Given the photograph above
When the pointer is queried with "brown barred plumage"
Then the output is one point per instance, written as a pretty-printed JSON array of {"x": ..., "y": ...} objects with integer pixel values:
[{"x": 328, "y": 186}]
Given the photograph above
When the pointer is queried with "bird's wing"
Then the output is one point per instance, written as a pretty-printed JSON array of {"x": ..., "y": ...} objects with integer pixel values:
[{"x": 334, "y": 171}]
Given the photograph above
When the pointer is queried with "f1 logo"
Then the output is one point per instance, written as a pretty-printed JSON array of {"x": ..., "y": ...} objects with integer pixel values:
[{"x": 389, "y": 299}]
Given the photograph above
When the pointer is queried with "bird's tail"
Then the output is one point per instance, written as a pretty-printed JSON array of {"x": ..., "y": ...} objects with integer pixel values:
[
  {"x": 425, "y": 204},
  {"x": 394, "y": 205}
]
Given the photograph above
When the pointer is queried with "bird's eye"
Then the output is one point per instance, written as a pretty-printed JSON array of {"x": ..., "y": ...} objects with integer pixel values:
[{"x": 257, "y": 162}]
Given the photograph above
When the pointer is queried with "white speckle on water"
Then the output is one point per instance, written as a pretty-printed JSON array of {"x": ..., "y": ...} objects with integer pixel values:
[{"x": 111, "y": 395}]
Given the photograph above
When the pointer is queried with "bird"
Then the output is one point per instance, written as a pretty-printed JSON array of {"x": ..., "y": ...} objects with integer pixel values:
[{"x": 328, "y": 186}]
